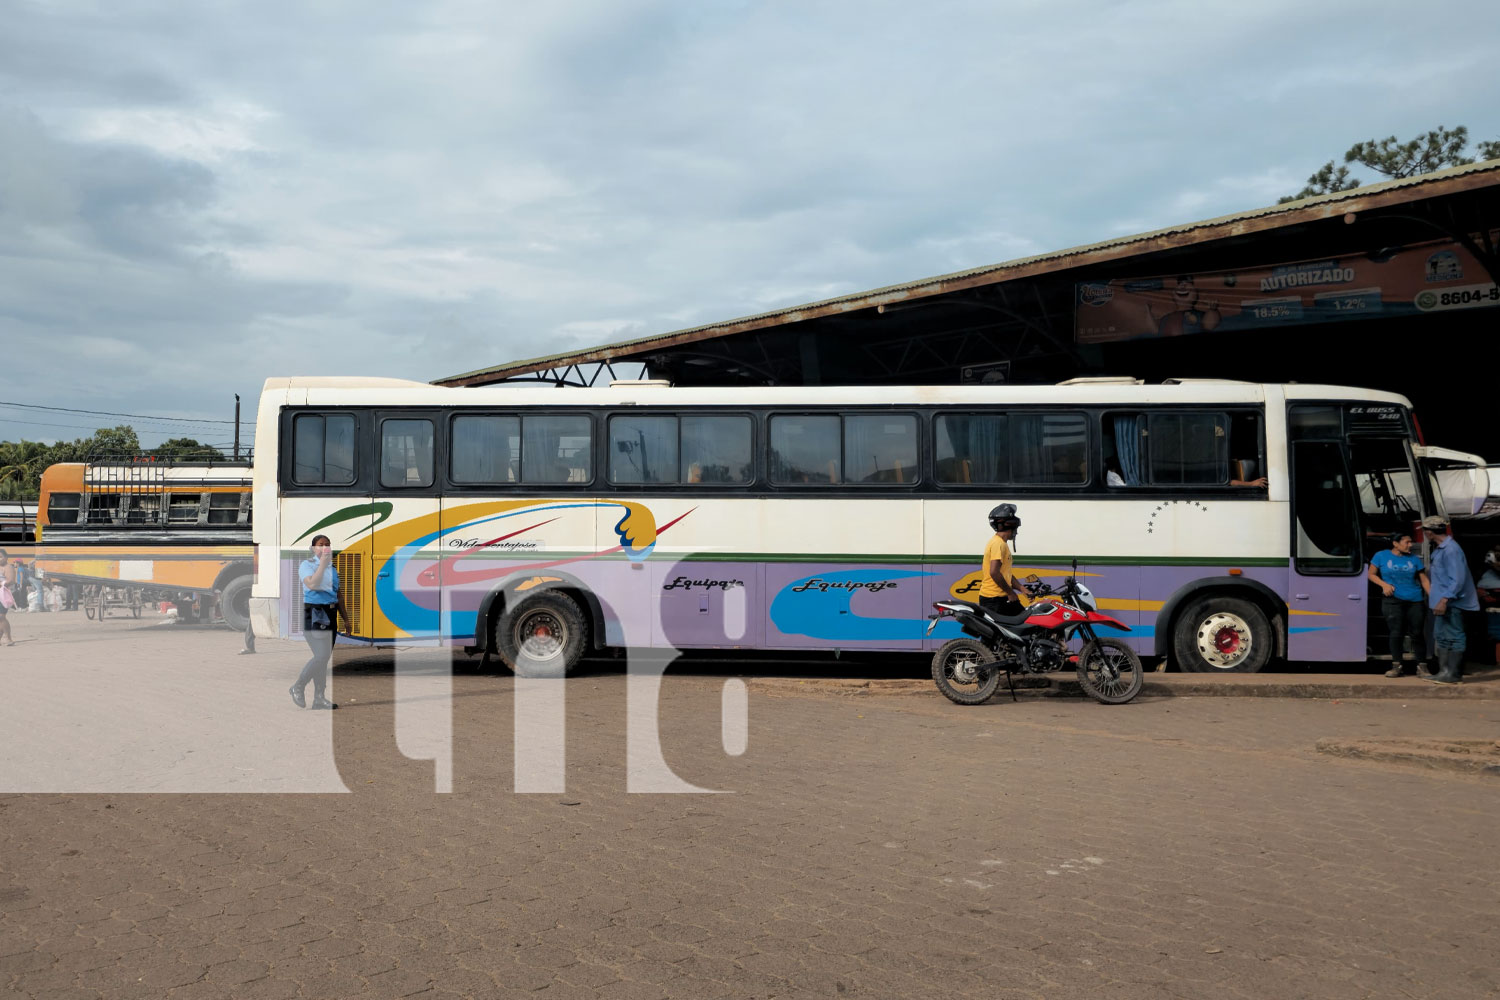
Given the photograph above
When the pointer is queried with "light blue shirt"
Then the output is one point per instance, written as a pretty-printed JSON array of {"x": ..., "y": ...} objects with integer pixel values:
[
  {"x": 1451, "y": 579},
  {"x": 328, "y": 593},
  {"x": 1400, "y": 572}
]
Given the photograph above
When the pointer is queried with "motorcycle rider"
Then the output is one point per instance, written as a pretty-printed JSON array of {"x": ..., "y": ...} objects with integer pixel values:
[{"x": 999, "y": 590}]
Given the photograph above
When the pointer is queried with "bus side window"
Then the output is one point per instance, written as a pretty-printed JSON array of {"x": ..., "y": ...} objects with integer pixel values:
[
  {"x": 182, "y": 508},
  {"x": 485, "y": 449},
  {"x": 1175, "y": 448},
  {"x": 1188, "y": 448},
  {"x": 717, "y": 449},
  {"x": 323, "y": 449},
  {"x": 642, "y": 449},
  {"x": 104, "y": 508},
  {"x": 971, "y": 448},
  {"x": 880, "y": 448},
  {"x": 223, "y": 508},
  {"x": 1246, "y": 463},
  {"x": 406, "y": 452},
  {"x": 805, "y": 449},
  {"x": 1124, "y": 447},
  {"x": 557, "y": 448},
  {"x": 1049, "y": 448}
]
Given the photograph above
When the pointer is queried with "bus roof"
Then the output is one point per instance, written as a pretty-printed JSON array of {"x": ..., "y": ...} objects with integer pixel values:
[
  {"x": 353, "y": 391},
  {"x": 108, "y": 474}
]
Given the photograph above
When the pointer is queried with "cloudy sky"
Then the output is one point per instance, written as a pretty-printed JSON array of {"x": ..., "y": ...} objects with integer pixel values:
[{"x": 197, "y": 195}]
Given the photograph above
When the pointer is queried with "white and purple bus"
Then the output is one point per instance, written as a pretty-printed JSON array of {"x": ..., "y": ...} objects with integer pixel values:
[{"x": 1227, "y": 523}]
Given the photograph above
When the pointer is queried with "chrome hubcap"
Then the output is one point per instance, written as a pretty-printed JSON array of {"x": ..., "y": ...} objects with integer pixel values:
[
  {"x": 540, "y": 635},
  {"x": 1224, "y": 640}
]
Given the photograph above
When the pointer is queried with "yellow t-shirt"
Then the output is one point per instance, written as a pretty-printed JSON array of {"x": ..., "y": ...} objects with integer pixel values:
[{"x": 995, "y": 548}]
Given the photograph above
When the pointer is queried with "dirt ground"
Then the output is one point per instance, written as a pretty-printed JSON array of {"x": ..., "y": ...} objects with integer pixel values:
[{"x": 172, "y": 826}]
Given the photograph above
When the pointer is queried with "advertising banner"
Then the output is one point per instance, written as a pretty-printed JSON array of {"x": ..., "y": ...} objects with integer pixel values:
[{"x": 1414, "y": 280}]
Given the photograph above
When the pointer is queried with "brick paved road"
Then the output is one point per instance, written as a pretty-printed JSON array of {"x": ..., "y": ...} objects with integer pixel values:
[{"x": 873, "y": 847}]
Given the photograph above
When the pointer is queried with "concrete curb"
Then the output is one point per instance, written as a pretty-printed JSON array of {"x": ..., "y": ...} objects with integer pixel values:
[
  {"x": 1221, "y": 687},
  {"x": 1484, "y": 687},
  {"x": 1464, "y": 756}
]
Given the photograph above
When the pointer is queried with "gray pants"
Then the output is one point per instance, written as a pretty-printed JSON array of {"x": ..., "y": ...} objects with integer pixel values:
[
  {"x": 1402, "y": 619},
  {"x": 321, "y": 644}
]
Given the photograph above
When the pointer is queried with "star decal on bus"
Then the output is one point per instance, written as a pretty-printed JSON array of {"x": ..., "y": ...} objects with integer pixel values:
[{"x": 1151, "y": 519}]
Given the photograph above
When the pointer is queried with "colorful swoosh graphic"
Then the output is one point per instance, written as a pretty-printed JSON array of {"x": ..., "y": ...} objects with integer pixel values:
[
  {"x": 433, "y": 575},
  {"x": 382, "y": 508},
  {"x": 416, "y": 614}
]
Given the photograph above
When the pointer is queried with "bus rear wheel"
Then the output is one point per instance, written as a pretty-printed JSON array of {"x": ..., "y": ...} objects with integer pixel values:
[
  {"x": 234, "y": 603},
  {"x": 542, "y": 636},
  {"x": 1222, "y": 635}
]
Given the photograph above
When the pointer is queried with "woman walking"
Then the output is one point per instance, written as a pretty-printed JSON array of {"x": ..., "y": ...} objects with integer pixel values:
[{"x": 320, "y": 605}]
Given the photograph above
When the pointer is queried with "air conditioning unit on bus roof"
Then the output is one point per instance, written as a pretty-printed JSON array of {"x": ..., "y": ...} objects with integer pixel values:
[
  {"x": 1196, "y": 381},
  {"x": 1103, "y": 380},
  {"x": 640, "y": 383}
]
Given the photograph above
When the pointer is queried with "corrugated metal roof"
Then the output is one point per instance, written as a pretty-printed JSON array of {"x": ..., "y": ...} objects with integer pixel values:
[{"x": 1442, "y": 182}]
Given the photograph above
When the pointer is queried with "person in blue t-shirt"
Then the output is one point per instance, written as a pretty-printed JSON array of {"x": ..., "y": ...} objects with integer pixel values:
[
  {"x": 320, "y": 606},
  {"x": 1402, "y": 580}
]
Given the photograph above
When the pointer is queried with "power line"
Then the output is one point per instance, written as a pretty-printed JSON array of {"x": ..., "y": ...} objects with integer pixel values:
[
  {"x": 4, "y": 420},
  {"x": 111, "y": 413},
  {"x": 46, "y": 423}
]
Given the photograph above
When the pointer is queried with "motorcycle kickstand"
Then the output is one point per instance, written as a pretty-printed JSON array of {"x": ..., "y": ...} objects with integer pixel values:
[{"x": 1010, "y": 683}]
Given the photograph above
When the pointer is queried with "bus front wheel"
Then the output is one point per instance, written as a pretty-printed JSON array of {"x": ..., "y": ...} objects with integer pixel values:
[
  {"x": 1222, "y": 635},
  {"x": 542, "y": 636}
]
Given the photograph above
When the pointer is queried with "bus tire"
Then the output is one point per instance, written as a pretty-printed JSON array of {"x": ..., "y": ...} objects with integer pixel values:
[
  {"x": 234, "y": 603},
  {"x": 542, "y": 636},
  {"x": 1219, "y": 634}
]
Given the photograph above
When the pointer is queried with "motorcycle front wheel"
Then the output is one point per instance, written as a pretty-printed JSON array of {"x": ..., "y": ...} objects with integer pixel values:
[
  {"x": 965, "y": 671},
  {"x": 1109, "y": 672}
]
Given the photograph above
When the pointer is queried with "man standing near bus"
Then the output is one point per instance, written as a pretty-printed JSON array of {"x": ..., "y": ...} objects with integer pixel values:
[
  {"x": 998, "y": 587},
  {"x": 1451, "y": 594}
]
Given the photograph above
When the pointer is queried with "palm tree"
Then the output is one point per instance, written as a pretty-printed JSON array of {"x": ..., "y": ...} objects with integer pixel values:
[{"x": 21, "y": 468}]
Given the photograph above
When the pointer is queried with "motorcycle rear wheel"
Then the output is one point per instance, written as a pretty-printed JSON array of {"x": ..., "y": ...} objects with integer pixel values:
[
  {"x": 1109, "y": 672},
  {"x": 965, "y": 671}
]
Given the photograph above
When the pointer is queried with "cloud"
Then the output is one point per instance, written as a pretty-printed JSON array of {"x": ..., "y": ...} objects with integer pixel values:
[{"x": 196, "y": 197}]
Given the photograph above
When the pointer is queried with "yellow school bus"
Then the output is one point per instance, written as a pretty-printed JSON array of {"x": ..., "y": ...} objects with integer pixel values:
[{"x": 154, "y": 529}]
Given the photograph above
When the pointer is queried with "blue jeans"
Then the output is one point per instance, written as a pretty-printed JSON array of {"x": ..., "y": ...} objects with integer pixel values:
[{"x": 1448, "y": 630}]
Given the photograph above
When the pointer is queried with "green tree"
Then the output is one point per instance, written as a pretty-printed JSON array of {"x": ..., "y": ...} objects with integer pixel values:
[
  {"x": 109, "y": 442},
  {"x": 23, "y": 462},
  {"x": 21, "y": 466},
  {"x": 1390, "y": 157},
  {"x": 187, "y": 449}
]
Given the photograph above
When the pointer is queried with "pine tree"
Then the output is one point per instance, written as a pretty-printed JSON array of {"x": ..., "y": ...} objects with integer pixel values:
[{"x": 1390, "y": 157}]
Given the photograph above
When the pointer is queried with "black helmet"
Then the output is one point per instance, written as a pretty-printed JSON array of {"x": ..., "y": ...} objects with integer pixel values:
[{"x": 1004, "y": 516}]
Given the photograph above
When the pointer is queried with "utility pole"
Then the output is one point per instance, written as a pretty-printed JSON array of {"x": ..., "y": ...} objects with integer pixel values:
[{"x": 236, "y": 427}]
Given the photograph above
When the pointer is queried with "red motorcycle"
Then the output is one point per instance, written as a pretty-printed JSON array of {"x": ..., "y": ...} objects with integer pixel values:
[{"x": 1035, "y": 641}]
